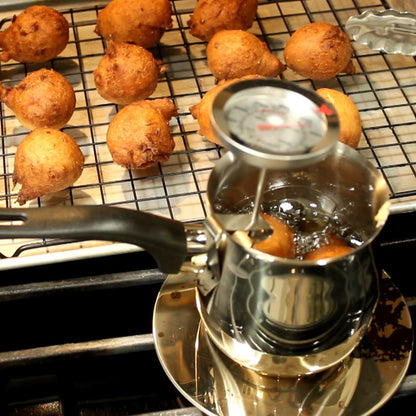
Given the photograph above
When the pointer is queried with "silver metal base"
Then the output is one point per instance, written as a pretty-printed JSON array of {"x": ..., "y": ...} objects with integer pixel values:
[{"x": 216, "y": 385}]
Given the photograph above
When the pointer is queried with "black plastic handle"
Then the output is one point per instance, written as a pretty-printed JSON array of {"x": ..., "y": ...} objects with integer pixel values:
[{"x": 163, "y": 238}]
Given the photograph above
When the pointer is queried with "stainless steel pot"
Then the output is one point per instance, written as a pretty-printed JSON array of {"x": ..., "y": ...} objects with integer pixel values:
[
  {"x": 284, "y": 316},
  {"x": 277, "y": 316}
]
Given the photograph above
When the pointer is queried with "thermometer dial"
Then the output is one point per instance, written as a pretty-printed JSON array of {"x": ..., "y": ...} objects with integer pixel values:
[{"x": 274, "y": 124}]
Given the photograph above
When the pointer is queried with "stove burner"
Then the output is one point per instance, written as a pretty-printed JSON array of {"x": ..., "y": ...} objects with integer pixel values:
[{"x": 214, "y": 384}]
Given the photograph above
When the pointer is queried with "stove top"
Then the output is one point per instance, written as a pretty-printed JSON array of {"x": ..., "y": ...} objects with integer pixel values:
[{"x": 76, "y": 338}]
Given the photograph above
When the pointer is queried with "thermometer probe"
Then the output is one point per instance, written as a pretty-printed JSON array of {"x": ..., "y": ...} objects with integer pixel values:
[{"x": 273, "y": 124}]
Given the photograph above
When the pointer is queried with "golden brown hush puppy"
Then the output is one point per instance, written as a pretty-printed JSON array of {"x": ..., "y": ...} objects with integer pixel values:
[
  {"x": 38, "y": 34},
  {"x": 236, "y": 53},
  {"x": 127, "y": 73},
  {"x": 319, "y": 51},
  {"x": 139, "y": 135},
  {"x": 211, "y": 16},
  {"x": 142, "y": 22},
  {"x": 282, "y": 241},
  {"x": 47, "y": 160},
  {"x": 44, "y": 98},
  {"x": 348, "y": 115},
  {"x": 335, "y": 247}
]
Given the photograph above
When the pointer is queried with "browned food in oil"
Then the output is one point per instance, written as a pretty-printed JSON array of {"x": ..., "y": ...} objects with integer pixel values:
[
  {"x": 127, "y": 73},
  {"x": 282, "y": 241},
  {"x": 38, "y": 34},
  {"x": 139, "y": 135},
  {"x": 237, "y": 53},
  {"x": 211, "y": 16},
  {"x": 334, "y": 248},
  {"x": 142, "y": 22},
  {"x": 44, "y": 98},
  {"x": 47, "y": 160},
  {"x": 319, "y": 51}
]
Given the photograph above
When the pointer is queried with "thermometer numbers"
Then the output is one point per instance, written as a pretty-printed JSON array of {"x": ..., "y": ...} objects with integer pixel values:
[{"x": 276, "y": 124}]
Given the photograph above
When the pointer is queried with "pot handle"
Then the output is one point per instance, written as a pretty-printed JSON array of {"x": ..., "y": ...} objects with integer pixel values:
[{"x": 163, "y": 238}]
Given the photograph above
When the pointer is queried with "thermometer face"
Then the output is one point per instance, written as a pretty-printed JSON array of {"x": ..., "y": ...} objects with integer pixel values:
[
  {"x": 280, "y": 122},
  {"x": 274, "y": 124}
]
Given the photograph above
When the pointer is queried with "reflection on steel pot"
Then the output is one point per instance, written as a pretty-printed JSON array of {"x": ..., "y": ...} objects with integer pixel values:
[{"x": 284, "y": 316}]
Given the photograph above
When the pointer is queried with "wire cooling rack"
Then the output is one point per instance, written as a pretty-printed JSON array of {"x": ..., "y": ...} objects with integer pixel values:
[{"x": 383, "y": 89}]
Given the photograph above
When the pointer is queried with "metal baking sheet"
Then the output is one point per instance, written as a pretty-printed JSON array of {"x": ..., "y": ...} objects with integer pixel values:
[{"x": 383, "y": 89}]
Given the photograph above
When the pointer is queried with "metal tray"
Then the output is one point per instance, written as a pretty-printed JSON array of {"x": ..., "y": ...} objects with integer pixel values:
[{"x": 382, "y": 88}]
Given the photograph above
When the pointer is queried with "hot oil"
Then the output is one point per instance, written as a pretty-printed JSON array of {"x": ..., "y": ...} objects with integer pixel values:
[
  {"x": 313, "y": 227},
  {"x": 315, "y": 219}
]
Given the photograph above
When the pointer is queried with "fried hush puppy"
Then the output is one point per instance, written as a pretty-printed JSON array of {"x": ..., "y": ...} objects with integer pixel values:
[
  {"x": 142, "y": 22},
  {"x": 319, "y": 51},
  {"x": 282, "y": 241},
  {"x": 139, "y": 135},
  {"x": 47, "y": 160},
  {"x": 44, "y": 98},
  {"x": 211, "y": 16},
  {"x": 348, "y": 115},
  {"x": 202, "y": 110},
  {"x": 127, "y": 73},
  {"x": 38, "y": 34},
  {"x": 334, "y": 248},
  {"x": 236, "y": 53}
]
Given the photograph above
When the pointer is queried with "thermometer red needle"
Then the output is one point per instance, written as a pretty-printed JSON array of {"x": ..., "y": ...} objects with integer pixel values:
[{"x": 272, "y": 126}]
